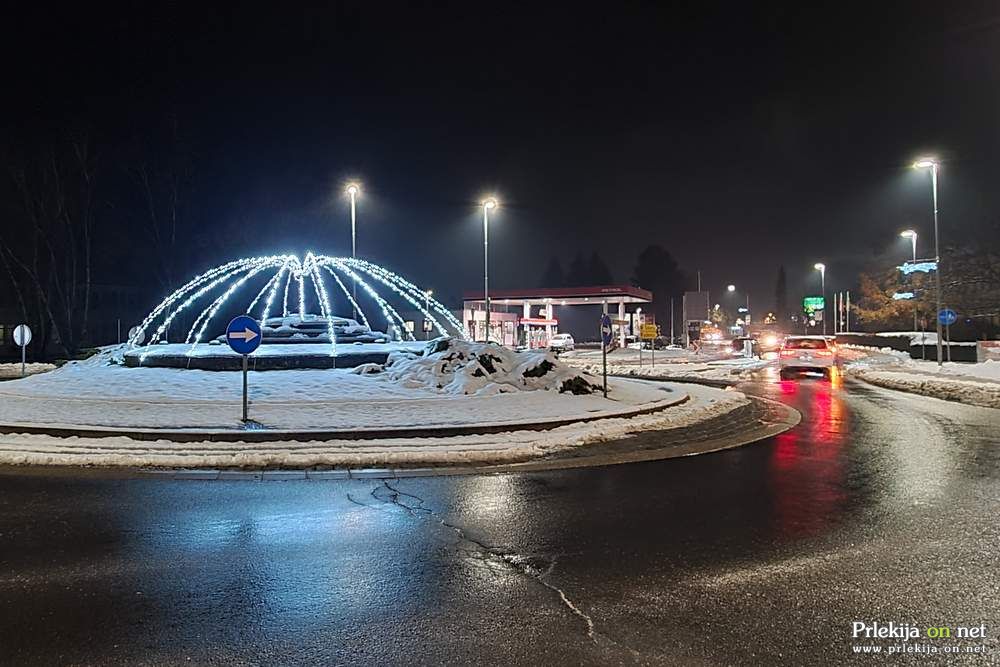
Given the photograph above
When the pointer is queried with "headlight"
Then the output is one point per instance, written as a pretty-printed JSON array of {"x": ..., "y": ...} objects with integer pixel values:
[{"x": 770, "y": 340}]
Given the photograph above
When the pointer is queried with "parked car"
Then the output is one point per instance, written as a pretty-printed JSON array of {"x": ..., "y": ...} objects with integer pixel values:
[
  {"x": 806, "y": 353},
  {"x": 562, "y": 343}
]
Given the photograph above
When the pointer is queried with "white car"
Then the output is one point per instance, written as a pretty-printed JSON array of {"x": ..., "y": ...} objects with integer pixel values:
[
  {"x": 807, "y": 353},
  {"x": 561, "y": 343}
]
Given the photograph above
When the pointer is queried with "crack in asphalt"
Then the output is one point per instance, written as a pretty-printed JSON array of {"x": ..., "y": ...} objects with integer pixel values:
[{"x": 520, "y": 564}]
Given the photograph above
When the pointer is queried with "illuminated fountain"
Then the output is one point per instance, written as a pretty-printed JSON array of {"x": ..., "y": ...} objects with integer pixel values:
[{"x": 312, "y": 311}]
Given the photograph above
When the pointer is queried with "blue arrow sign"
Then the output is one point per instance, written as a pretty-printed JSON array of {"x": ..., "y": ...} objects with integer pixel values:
[
  {"x": 606, "y": 332},
  {"x": 947, "y": 317},
  {"x": 243, "y": 334}
]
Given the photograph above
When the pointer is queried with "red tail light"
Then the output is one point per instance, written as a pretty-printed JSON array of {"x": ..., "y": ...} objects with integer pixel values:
[
  {"x": 823, "y": 353},
  {"x": 788, "y": 353}
]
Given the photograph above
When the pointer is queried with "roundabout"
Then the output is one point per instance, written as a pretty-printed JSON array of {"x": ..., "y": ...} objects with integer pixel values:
[{"x": 337, "y": 382}]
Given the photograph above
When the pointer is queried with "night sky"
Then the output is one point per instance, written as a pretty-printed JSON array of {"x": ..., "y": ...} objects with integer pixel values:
[{"x": 738, "y": 137}]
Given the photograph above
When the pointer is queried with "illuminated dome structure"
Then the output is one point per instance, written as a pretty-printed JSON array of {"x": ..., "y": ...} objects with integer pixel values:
[{"x": 315, "y": 312}]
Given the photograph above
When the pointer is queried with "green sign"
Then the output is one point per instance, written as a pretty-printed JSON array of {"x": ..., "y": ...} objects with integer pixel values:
[{"x": 811, "y": 304}]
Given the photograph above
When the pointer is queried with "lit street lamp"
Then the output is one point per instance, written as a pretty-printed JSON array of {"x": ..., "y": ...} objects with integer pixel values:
[
  {"x": 488, "y": 205},
  {"x": 819, "y": 266},
  {"x": 352, "y": 192},
  {"x": 912, "y": 235},
  {"x": 932, "y": 164}
]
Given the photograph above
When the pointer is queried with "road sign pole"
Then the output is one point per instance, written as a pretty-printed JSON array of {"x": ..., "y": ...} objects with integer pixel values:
[
  {"x": 23, "y": 348},
  {"x": 245, "y": 388},
  {"x": 604, "y": 357},
  {"x": 947, "y": 337}
]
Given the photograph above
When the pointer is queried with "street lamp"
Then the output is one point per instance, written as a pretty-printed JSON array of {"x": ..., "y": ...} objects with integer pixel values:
[
  {"x": 912, "y": 235},
  {"x": 352, "y": 192},
  {"x": 819, "y": 266},
  {"x": 731, "y": 288},
  {"x": 933, "y": 165},
  {"x": 488, "y": 205},
  {"x": 427, "y": 301}
]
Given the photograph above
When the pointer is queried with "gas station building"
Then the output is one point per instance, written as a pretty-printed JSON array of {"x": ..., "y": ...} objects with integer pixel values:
[{"x": 530, "y": 317}]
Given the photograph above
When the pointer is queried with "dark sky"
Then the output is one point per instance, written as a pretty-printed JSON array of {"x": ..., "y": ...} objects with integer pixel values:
[{"x": 740, "y": 136}]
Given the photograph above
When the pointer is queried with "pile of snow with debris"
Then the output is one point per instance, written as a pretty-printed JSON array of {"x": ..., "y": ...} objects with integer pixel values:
[{"x": 460, "y": 367}]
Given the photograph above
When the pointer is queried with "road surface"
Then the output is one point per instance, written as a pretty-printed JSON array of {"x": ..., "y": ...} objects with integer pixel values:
[{"x": 880, "y": 506}]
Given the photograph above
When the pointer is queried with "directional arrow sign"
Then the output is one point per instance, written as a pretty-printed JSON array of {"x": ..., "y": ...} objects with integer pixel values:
[
  {"x": 243, "y": 334},
  {"x": 606, "y": 331}
]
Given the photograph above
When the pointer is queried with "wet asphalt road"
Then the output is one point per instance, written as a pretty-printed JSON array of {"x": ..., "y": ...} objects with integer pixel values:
[{"x": 879, "y": 506}]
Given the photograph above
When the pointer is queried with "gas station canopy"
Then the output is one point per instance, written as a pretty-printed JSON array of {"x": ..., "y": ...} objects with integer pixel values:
[{"x": 565, "y": 296}]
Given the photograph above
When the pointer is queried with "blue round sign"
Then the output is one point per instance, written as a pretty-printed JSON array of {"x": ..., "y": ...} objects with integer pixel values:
[
  {"x": 947, "y": 317},
  {"x": 606, "y": 331},
  {"x": 243, "y": 334}
]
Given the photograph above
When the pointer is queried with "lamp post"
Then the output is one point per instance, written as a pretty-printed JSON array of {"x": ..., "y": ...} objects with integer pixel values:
[
  {"x": 932, "y": 164},
  {"x": 819, "y": 266},
  {"x": 912, "y": 235},
  {"x": 427, "y": 309},
  {"x": 352, "y": 192},
  {"x": 488, "y": 205}
]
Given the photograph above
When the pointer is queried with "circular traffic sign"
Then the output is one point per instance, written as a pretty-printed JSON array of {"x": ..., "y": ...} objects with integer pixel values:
[
  {"x": 243, "y": 334},
  {"x": 947, "y": 317},
  {"x": 606, "y": 332},
  {"x": 136, "y": 335},
  {"x": 22, "y": 335}
]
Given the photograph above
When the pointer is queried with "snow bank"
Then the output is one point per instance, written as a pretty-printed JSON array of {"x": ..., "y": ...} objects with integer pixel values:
[
  {"x": 985, "y": 394},
  {"x": 464, "y": 368},
  {"x": 510, "y": 447},
  {"x": 13, "y": 370}
]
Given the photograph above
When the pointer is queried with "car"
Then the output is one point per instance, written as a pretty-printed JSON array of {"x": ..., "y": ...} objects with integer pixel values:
[
  {"x": 562, "y": 343},
  {"x": 806, "y": 353}
]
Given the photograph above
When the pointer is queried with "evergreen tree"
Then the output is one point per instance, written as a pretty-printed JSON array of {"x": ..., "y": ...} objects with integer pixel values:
[
  {"x": 598, "y": 272},
  {"x": 781, "y": 297},
  {"x": 553, "y": 276},
  {"x": 578, "y": 275},
  {"x": 656, "y": 270}
]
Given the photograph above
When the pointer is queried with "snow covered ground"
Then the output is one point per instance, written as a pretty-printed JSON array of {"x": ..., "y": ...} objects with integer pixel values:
[
  {"x": 972, "y": 383},
  {"x": 415, "y": 393},
  {"x": 725, "y": 369},
  {"x": 13, "y": 370},
  {"x": 509, "y": 447}
]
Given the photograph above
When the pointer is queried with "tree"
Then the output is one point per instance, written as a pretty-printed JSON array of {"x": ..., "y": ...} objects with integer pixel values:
[
  {"x": 553, "y": 276},
  {"x": 162, "y": 179},
  {"x": 50, "y": 259},
  {"x": 781, "y": 297},
  {"x": 657, "y": 271},
  {"x": 578, "y": 274},
  {"x": 598, "y": 271},
  {"x": 877, "y": 310}
]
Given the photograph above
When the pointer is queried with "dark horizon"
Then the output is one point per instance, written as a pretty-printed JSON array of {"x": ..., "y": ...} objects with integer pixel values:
[{"x": 738, "y": 139}]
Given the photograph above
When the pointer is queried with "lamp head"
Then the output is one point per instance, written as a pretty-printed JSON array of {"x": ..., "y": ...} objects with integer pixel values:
[
  {"x": 925, "y": 163},
  {"x": 353, "y": 189},
  {"x": 490, "y": 203},
  {"x": 731, "y": 288},
  {"x": 819, "y": 266},
  {"x": 908, "y": 234}
]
